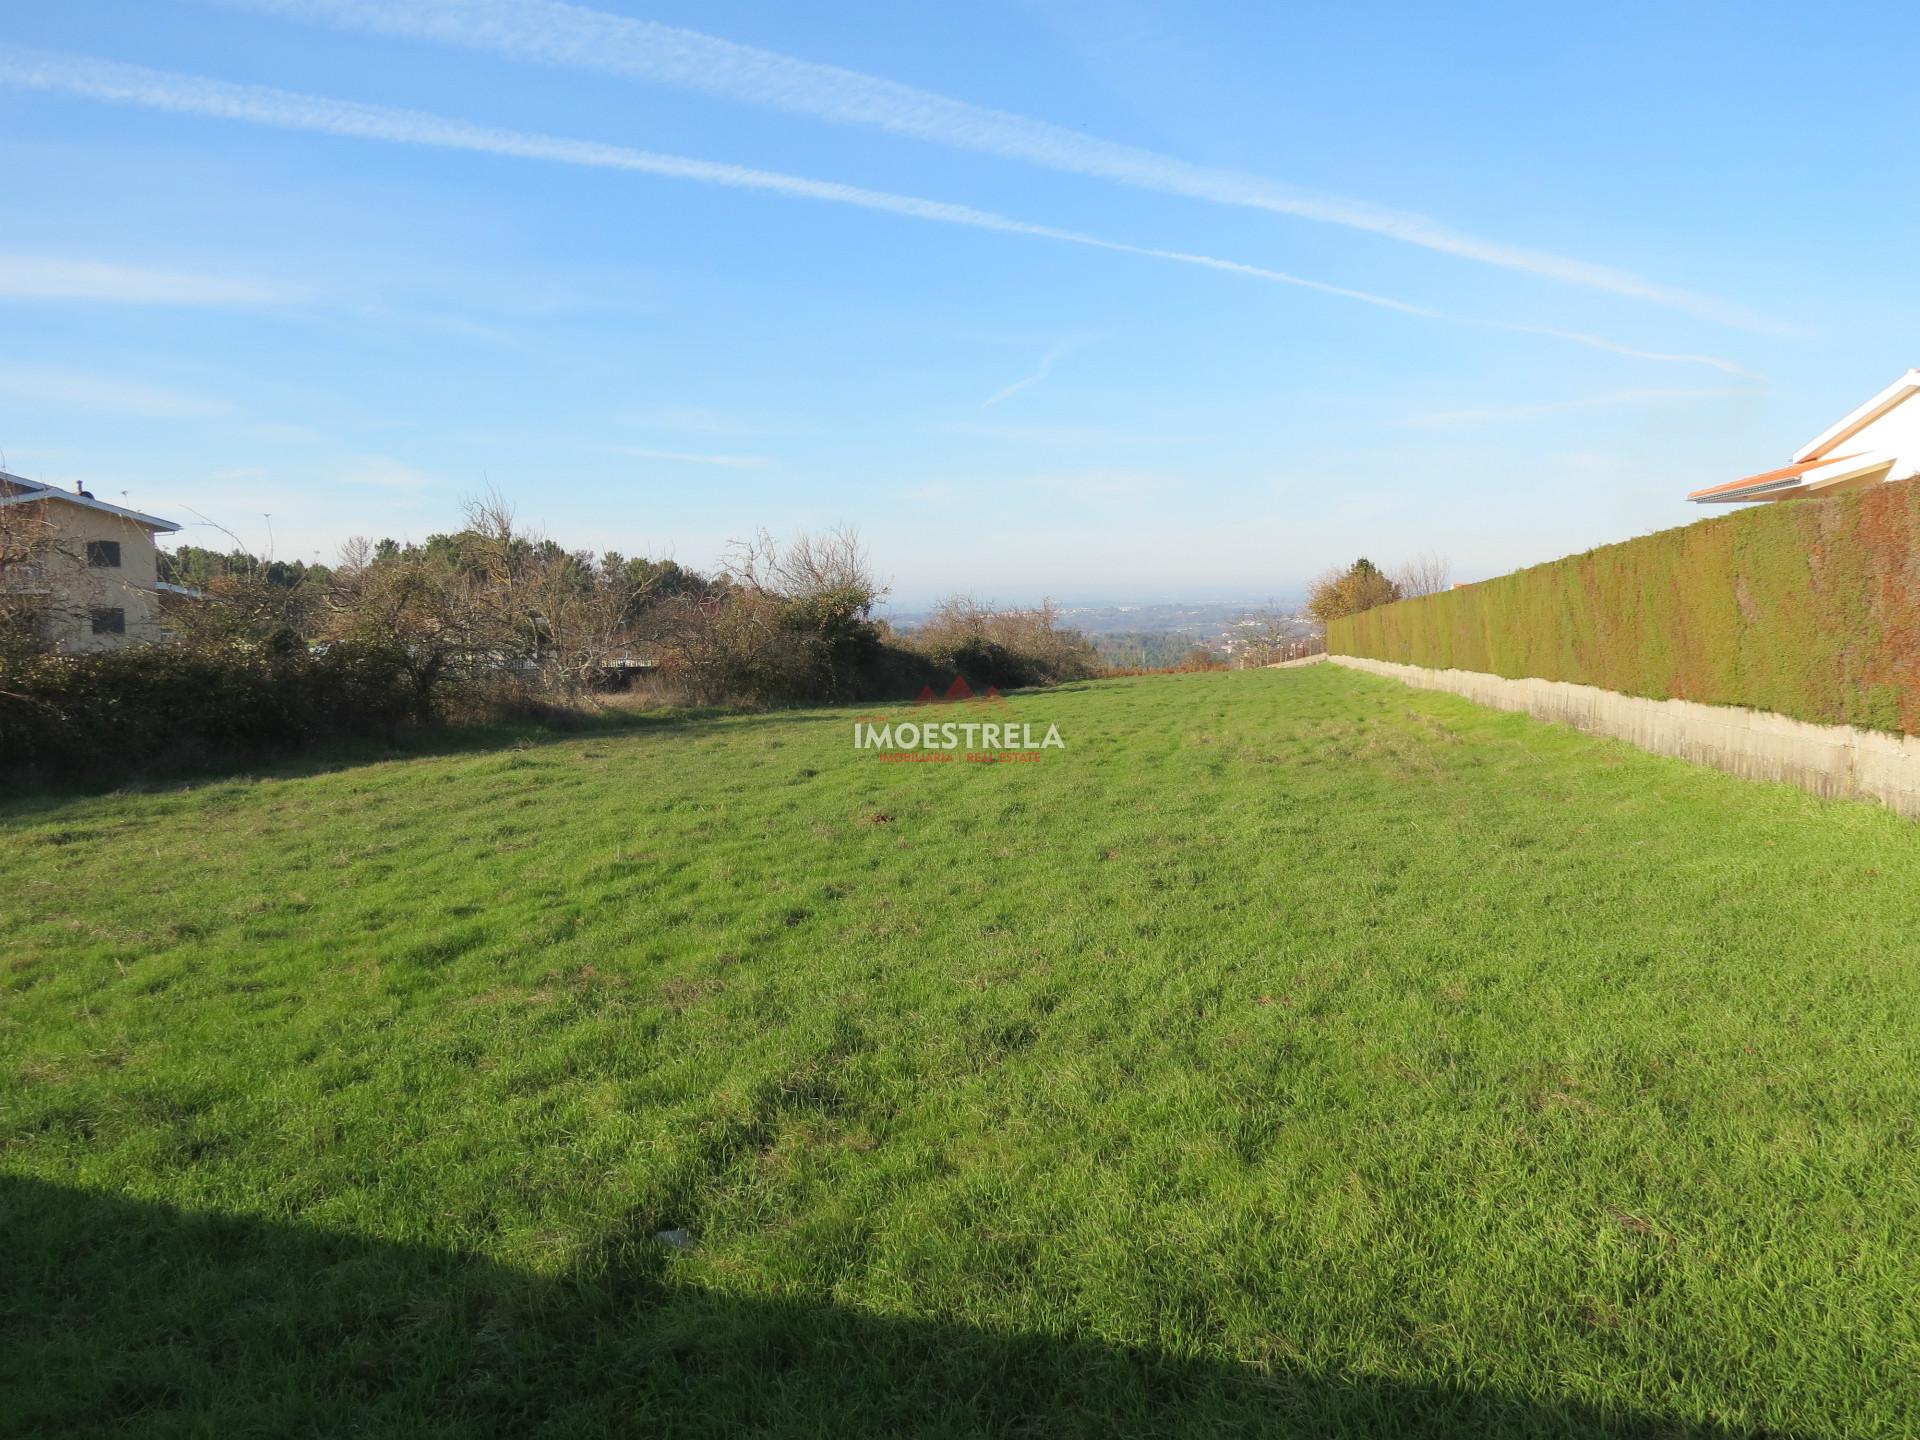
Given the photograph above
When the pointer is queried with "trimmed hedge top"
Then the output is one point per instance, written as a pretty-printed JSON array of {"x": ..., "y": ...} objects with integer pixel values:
[{"x": 1809, "y": 608}]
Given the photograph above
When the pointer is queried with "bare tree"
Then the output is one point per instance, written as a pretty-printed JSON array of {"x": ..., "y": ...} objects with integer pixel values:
[
  {"x": 28, "y": 548},
  {"x": 237, "y": 604},
  {"x": 1276, "y": 639},
  {"x": 564, "y": 612},
  {"x": 1425, "y": 574},
  {"x": 424, "y": 613},
  {"x": 809, "y": 565},
  {"x": 494, "y": 606}
]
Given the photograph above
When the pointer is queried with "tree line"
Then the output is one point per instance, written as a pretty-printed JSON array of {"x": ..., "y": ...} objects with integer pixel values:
[{"x": 488, "y": 622}]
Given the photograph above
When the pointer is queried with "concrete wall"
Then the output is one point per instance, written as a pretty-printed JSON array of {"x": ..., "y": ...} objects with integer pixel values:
[{"x": 1835, "y": 760}]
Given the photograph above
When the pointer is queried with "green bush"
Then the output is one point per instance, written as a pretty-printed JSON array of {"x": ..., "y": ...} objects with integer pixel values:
[
  {"x": 157, "y": 709},
  {"x": 1808, "y": 608}
]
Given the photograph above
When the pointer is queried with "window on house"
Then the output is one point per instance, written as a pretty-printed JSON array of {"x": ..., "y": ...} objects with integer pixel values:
[
  {"x": 110, "y": 622},
  {"x": 103, "y": 554}
]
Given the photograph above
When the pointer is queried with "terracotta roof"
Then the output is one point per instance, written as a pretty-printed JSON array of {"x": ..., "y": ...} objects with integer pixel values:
[{"x": 1784, "y": 477}]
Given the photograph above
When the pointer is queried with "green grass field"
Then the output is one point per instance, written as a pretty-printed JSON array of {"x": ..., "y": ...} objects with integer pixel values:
[{"x": 1294, "y": 1053}]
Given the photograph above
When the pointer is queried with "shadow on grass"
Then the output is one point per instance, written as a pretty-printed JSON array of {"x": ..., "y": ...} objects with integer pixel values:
[
  {"x": 125, "y": 1316},
  {"x": 335, "y": 755},
  {"x": 330, "y": 756}
]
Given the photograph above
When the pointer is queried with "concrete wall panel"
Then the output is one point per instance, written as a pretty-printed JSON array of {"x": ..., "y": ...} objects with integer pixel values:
[{"x": 1833, "y": 760}]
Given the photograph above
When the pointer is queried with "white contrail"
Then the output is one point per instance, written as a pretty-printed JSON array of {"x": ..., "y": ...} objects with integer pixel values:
[
  {"x": 1040, "y": 372},
  {"x": 52, "y": 277},
  {"x": 1614, "y": 347},
  {"x": 287, "y": 110},
  {"x": 552, "y": 32}
]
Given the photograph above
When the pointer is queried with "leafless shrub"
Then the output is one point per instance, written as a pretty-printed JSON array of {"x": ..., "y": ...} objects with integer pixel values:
[
  {"x": 1005, "y": 647},
  {"x": 809, "y": 565},
  {"x": 726, "y": 647},
  {"x": 787, "y": 621}
]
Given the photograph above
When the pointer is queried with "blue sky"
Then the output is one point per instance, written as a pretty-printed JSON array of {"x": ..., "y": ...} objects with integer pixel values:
[{"x": 1014, "y": 287}]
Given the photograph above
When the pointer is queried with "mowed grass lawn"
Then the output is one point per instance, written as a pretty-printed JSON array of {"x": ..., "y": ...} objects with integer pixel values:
[{"x": 1293, "y": 1053}]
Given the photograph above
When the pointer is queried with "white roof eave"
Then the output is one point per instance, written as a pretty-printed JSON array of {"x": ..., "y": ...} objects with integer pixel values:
[
  {"x": 1827, "y": 439},
  {"x": 37, "y": 492},
  {"x": 1848, "y": 470}
]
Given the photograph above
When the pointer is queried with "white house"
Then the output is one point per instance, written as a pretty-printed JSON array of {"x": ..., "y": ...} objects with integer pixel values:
[
  {"x": 82, "y": 572},
  {"x": 1879, "y": 441}
]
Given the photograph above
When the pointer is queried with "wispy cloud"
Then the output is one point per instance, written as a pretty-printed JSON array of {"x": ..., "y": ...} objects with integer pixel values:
[
  {"x": 83, "y": 392},
  {"x": 288, "y": 110},
  {"x": 676, "y": 417},
  {"x": 1041, "y": 371},
  {"x": 682, "y": 457},
  {"x": 1490, "y": 414},
  {"x": 1092, "y": 484},
  {"x": 384, "y": 473},
  {"x": 1079, "y": 437},
  {"x": 47, "y": 277},
  {"x": 435, "y": 322},
  {"x": 551, "y": 32}
]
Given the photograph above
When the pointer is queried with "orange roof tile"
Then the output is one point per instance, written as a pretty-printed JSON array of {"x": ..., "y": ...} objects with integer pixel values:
[{"x": 1769, "y": 477}]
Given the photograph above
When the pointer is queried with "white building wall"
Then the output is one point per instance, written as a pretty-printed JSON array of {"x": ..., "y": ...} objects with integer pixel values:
[
  {"x": 75, "y": 589},
  {"x": 1896, "y": 433}
]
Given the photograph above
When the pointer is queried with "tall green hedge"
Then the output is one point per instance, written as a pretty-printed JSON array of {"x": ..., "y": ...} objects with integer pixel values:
[{"x": 1810, "y": 608}]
